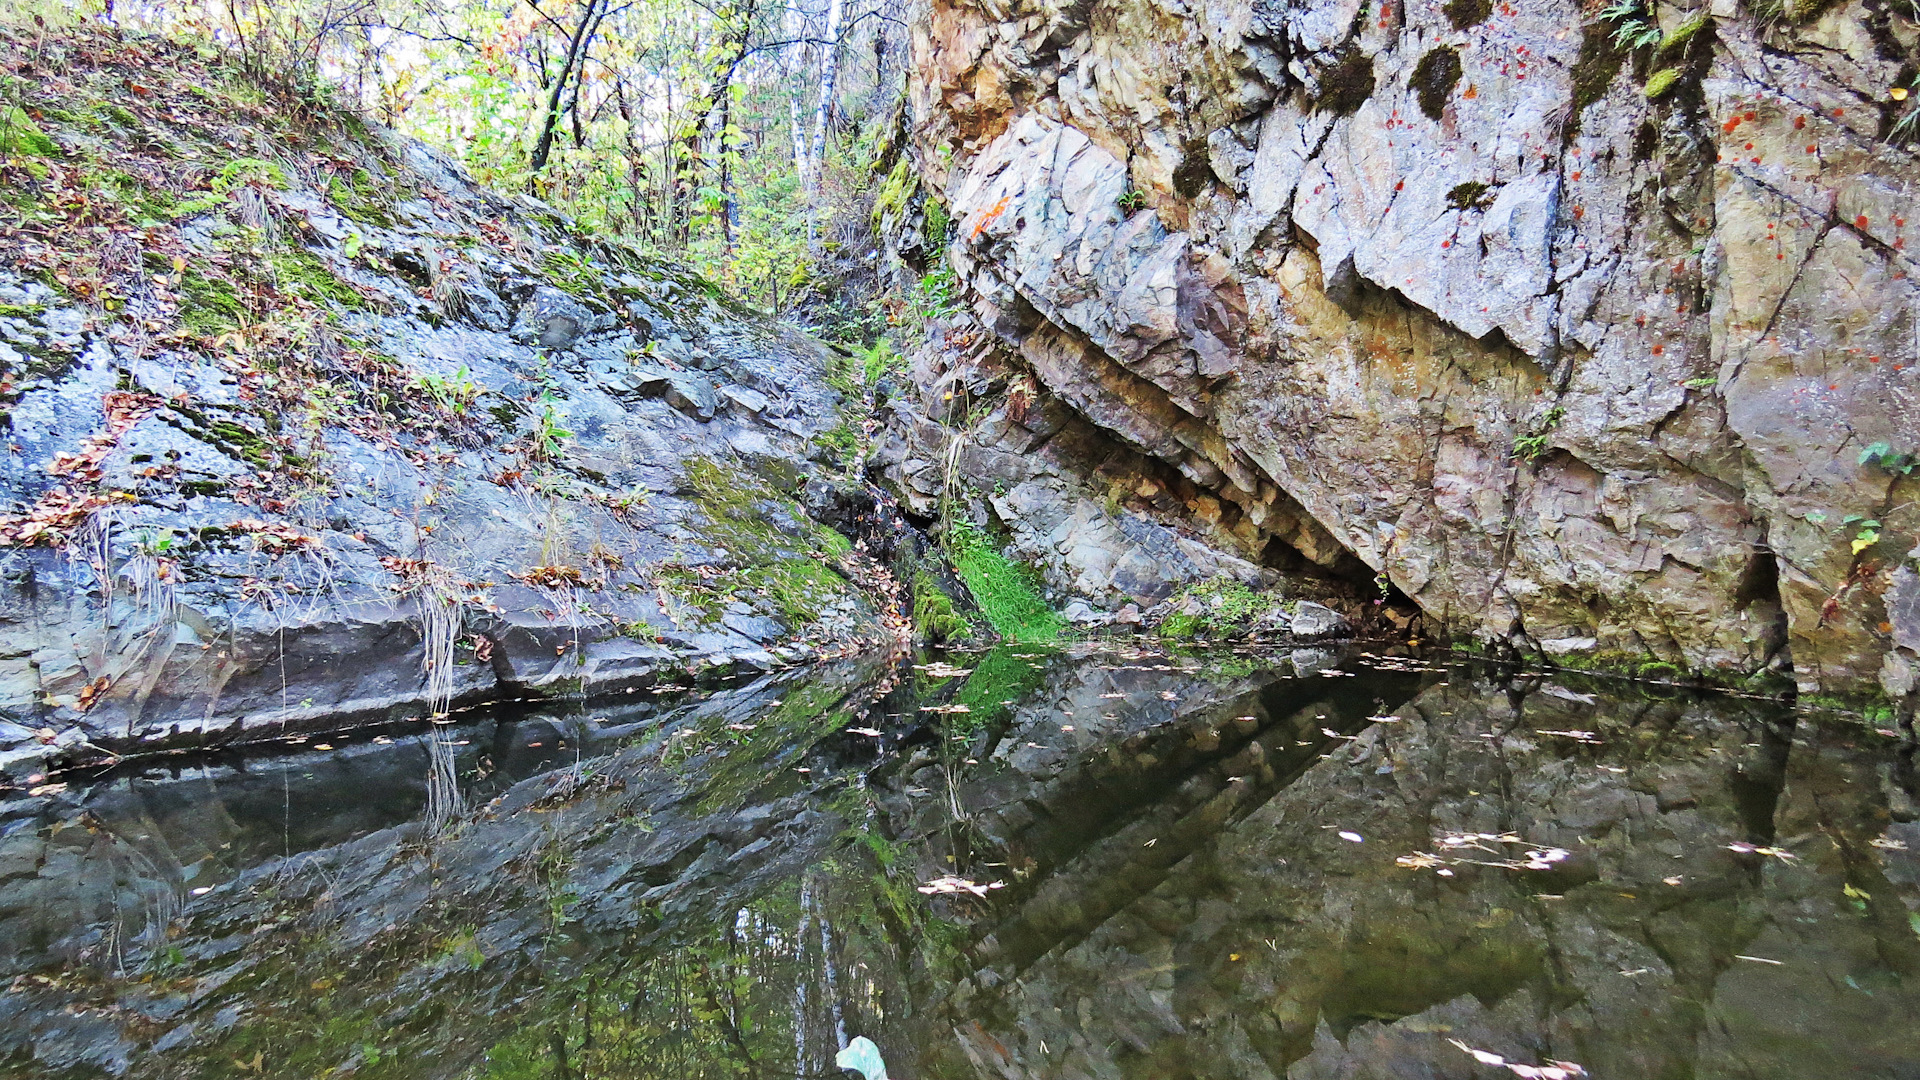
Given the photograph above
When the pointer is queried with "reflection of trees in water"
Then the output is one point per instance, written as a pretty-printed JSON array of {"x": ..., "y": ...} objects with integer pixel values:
[{"x": 773, "y": 994}]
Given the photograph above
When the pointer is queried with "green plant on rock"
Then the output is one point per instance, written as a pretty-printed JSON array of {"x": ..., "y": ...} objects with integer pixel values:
[
  {"x": 1004, "y": 590},
  {"x": 1868, "y": 533},
  {"x": 549, "y": 436},
  {"x": 1215, "y": 608},
  {"x": 937, "y": 295},
  {"x": 455, "y": 393},
  {"x": 1634, "y": 26},
  {"x": 1909, "y": 123},
  {"x": 1131, "y": 201},
  {"x": 1881, "y": 455},
  {"x": 1533, "y": 445}
]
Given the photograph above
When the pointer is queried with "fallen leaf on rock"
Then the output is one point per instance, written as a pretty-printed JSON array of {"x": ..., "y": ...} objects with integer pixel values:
[
  {"x": 1576, "y": 736},
  {"x": 1552, "y": 1070},
  {"x": 1744, "y": 848},
  {"x": 949, "y": 885}
]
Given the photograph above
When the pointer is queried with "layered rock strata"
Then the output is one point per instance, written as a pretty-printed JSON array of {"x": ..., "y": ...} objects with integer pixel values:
[{"x": 1594, "y": 347}]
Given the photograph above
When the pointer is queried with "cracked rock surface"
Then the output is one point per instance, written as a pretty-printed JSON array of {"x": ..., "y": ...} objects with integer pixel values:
[{"x": 1586, "y": 347}]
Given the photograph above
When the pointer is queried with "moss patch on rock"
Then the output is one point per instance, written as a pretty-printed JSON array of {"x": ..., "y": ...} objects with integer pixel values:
[
  {"x": 1434, "y": 79},
  {"x": 1346, "y": 84},
  {"x": 21, "y": 137}
]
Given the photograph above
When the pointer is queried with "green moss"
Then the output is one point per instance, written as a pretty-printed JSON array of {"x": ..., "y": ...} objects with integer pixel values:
[
  {"x": 1660, "y": 82},
  {"x": 1599, "y": 61},
  {"x": 299, "y": 271},
  {"x": 358, "y": 197},
  {"x": 243, "y": 171},
  {"x": 572, "y": 272},
  {"x": 1466, "y": 14},
  {"x": 21, "y": 137},
  {"x": 1346, "y": 84},
  {"x": 239, "y": 440},
  {"x": 934, "y": 616},
  {"x": 22, "y": 311},
  {"x": 1434, "y": 79},
  {"x": 134, "y": 194},
  {"x": 1227, "y": 608},
  {"x": 210, "y": 306},
  {"x": 841, "y": 443},
  {"x": 1005, "y": 591},
  {"x": 1471, "y": 195},
  {"x": 894, "y": 192},
  {"x": 1674, "y": 43},
  {"x": 775, "y": 560}
]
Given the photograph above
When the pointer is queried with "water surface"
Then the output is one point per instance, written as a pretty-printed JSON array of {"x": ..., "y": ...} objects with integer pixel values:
[{"x": 1014, "y": 864}]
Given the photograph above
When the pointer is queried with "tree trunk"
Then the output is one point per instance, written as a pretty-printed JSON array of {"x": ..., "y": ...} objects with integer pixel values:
[
  {"x": 829, "y": 71},
  {"x": 801, "y": 166},
  {"x": 544, "y": 147}
]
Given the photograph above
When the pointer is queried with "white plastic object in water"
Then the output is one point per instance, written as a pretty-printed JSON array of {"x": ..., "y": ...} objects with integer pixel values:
[{"x": 863, "y": 1056}]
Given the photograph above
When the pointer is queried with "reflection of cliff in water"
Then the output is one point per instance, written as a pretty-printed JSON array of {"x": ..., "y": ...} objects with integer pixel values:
[{"x": 728, "y": 888}]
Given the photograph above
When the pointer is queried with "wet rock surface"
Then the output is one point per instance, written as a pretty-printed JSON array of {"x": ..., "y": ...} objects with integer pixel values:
[
  {"x": 1304, "y": 865},
  {"x": 1588, "y": 348}
]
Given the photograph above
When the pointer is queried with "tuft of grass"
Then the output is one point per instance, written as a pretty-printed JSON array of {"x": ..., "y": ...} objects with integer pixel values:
[{"x": 1004, "y": 590}]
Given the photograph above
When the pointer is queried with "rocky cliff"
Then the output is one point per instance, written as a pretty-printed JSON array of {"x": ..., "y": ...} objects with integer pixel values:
[
  {"x": 1590, "y": 332},
  {"x": 308, "y": 430}
]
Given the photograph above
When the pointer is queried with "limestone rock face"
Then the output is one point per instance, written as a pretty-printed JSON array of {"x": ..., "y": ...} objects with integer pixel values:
[{"x": 1444, "y": 288}]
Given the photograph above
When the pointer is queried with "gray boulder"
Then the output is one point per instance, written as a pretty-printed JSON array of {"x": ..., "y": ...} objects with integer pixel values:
[{"x": 1311, "y": 620}]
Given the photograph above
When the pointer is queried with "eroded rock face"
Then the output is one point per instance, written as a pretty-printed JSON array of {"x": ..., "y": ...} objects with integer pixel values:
[{"x": 1574, "y": 368}]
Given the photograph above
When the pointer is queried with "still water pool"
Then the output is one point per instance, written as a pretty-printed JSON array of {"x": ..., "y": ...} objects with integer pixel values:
[{"x": 1024, "y": 863}]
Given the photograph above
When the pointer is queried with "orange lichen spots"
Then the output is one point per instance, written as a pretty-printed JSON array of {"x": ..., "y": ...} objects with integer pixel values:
[
  {"x": 1860, "y": 222},
  {"x": 988, "y": 215}
]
